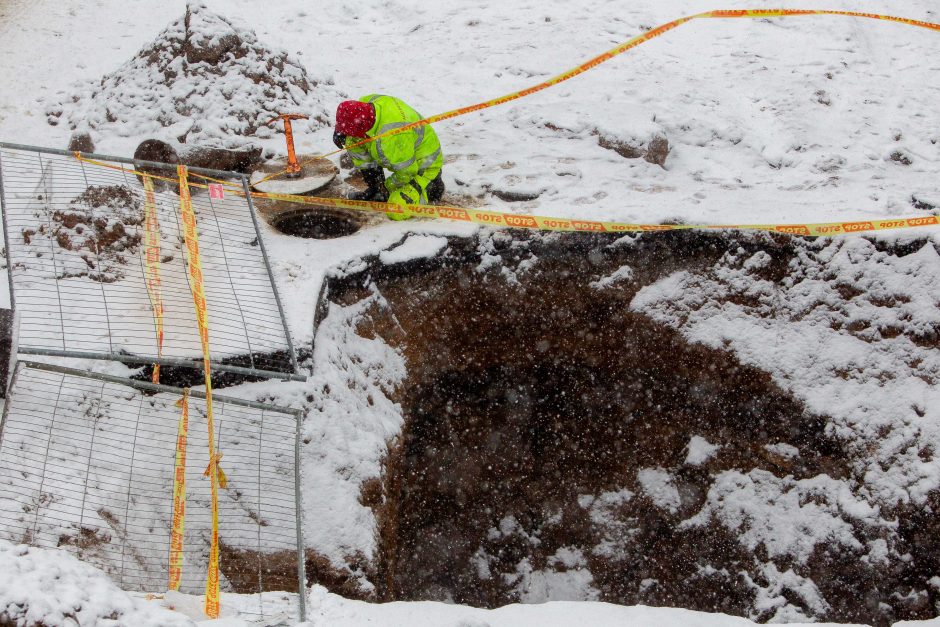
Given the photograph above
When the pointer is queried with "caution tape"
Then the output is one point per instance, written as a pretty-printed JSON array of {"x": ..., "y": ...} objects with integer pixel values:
[
  {"x": 216, "y": 477},
  {"x": 152, "y": 262},
  {"x": 179, "y": 495},
  {"x": 545, "y": 223},
  {"x": 610, "y": 54}
]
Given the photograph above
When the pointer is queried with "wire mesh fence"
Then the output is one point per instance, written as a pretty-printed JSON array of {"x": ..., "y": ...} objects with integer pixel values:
[
  {"x": 76, "y": 253},
  {"x": 87, "y": 465}
]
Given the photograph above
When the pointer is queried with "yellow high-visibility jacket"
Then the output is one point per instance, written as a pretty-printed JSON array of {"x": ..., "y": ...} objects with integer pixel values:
[{"x": 414, "y": 156}]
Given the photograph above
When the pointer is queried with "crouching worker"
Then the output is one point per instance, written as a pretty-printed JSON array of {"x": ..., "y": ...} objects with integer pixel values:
[{"x": 413, "y": 157}]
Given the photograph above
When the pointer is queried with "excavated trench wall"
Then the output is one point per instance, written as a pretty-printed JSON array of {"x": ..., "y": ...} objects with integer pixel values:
[{"x": 547, "y": 449}]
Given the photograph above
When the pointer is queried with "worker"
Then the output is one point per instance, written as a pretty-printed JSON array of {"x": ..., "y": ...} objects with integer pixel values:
[{"x": 414, "y": 156}]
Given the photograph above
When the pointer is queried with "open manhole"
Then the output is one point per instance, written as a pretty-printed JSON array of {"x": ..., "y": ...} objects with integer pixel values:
[
  {"x": 316, "y": 223},
  {"x": 559, "y": 442}
]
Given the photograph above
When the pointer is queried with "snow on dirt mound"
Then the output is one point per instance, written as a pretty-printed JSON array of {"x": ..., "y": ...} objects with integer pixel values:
[
  {"x": 52, "y": 588},
  {"x": 852, "y": 328},
  {"x": 96, "y": 234},
  {"x": 205, "y": 79}
]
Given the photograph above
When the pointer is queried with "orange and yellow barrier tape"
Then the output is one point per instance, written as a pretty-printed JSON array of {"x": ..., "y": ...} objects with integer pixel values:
[
  {"x": 637, "y": 41},
  {"x": 545, "y": 223},
  {"x": 152, "y": 261},
  {"x": 179, "y": 495},
  {"x": 216, "y": 477},
  {"x": 618, "y": 50}
]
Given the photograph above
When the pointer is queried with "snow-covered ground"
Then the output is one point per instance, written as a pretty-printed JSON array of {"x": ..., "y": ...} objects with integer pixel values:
[
  {"x": 783, "y": 120},
  {"x": 53, "y": 588}
]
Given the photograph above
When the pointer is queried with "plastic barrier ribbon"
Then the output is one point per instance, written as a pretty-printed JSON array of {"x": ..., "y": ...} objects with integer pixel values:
[
  {"x": 179, "y": 495},
  {"x": 543, "y": 223},
  {"x": 152, "y": 261},
  {"x": 191, "y": 238},
  {"x": 642, "y": 39}
]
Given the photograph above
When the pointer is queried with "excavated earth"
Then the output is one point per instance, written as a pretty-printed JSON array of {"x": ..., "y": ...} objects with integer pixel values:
[
  {"x": 204, "y": 80},
  {"x": 530, "y": 392}
]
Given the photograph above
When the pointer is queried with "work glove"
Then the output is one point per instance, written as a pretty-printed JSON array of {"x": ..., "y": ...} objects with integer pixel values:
[
  {"x": 339, "y": 139},
  {"x": 375, "y": 186}
]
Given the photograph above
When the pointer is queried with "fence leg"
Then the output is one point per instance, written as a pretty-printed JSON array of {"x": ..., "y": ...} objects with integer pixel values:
[{"x": 298, "y": 507}]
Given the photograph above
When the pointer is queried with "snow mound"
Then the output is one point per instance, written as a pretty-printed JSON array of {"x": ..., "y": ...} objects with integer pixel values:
[
  {"x": 96, "y": 235},
  {"x": 204, "y": 79},
  {"x": 701, "y": 450},
  {"x": 52, "y": 588},
  {"x": 659, "y": 486},
  {"x": 627, "y": 130}
]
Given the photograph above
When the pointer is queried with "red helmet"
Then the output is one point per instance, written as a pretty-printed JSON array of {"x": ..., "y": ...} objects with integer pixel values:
[{"x": 354, "y": 118}]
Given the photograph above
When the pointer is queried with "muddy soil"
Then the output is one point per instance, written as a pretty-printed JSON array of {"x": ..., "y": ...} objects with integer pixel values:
[{"x": 533, "y": 400}]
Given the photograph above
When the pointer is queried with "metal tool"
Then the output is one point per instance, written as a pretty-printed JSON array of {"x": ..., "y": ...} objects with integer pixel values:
[{"x": 294, "y": 170}]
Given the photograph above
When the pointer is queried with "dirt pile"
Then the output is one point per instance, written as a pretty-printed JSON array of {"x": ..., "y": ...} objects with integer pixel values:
[
  {"x": 205, "y": 79},
  {"x": 560, "y": 445},
  {"x": 97, "y": 234}
]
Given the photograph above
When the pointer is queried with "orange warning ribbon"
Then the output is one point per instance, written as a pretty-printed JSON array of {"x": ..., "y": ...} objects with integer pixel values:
[
  {"x": 546, "y": 223},
  {"x": 179, "y": 495},
  {"x": 152, "y": 261},
  {"x": 191, "y": 238},
  {"x": 214, "y": 460}
]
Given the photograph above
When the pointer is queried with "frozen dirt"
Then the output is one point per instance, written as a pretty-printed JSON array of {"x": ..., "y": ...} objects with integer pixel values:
[{"x": 557, "y": 442}]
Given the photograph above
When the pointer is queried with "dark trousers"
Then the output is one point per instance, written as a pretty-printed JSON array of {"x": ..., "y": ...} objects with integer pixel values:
[{"x": 435, "y": 188}]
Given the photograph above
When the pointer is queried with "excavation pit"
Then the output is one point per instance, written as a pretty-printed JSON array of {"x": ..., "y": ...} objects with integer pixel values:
[
  {"x": 316, "y": 223},
  {"x": 559, "y": 445}
]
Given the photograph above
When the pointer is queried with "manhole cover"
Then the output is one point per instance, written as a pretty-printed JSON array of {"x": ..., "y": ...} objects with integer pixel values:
[{"x": 317, "y": 174}]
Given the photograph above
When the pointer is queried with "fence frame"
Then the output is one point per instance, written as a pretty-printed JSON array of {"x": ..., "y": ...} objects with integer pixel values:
[
  {"x": 296, "y": 375},
  {"x": 156, "y": 387},
  {"x": 6, "y": 243}
]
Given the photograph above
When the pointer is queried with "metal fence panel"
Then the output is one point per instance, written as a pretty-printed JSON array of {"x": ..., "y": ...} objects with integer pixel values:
[
  {"x": 75, "y": 233},
  {"x": 87, "y": 465}
]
